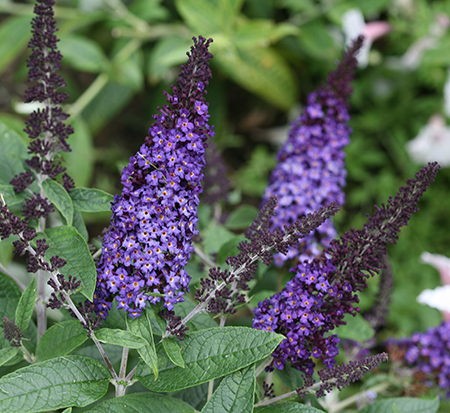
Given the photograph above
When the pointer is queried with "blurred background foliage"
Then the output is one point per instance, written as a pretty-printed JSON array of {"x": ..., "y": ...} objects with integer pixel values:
[{"x": 119, "y": 56}]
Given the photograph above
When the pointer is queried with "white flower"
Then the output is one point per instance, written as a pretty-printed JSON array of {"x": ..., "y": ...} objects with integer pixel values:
[
  {"x": 353, "y": 25},
  {"x": 438, "y": 298},
  {"x": 432, "y": 143}
]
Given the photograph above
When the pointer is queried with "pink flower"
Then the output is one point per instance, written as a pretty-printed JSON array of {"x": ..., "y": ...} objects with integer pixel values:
[{"x": 353, "y": 25}]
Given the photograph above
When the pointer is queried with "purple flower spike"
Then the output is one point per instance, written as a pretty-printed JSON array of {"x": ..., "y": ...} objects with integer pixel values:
[
  {"x": 154, "y": 219},
  {"x": 311, "y": 171},
  {"x": 324, "y": 290}
]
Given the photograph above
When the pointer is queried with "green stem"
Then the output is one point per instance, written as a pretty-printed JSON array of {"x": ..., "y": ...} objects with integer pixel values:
[{"x": 90, "y": 93}]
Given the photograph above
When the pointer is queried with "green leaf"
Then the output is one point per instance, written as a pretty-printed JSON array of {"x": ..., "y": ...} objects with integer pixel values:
[
  {"x": 120, "y": 338},
  {"x": 60, "y": 339},
  {"x": 234, "y": 394},
  {"x": 357, "y": 329},
  {"x": 13, "y": 152},
  {"x": 80, "y": 160},
  {"x": 148, "y": 10},
  {"x": 215, "y": 237},
  {"x": 14, "y": 35},
  {"x": 288, "y": 407},
  {"x": 208, "y": 17},
  {"x": 261, "y": 71},
  {"x": 7, "y": 354},
  {"x": 79, "y": 225},
  {"x": 91, "y": 200},
  {"x": 82, "y": 53},
  {"x": 25, "y": 308},
  {"x": 56, "y": 193},
  {"x": 142, "y": 402},
  {"x": 142, "y": 327},
  {"x": 68, "y": 244},
  {"x": 158, "y": 324},
  {"x": 210, "y": 354},
  {"x": 173, "y": 351},
  {"x": 10, "y": 196},
  {"x": 261, "y": 32},
  {"x": 168, "y": 52},
  {"x": 229, "y": 249},
  {"x": 403, "y": 405},
  {"x": 242, "y": 217},
  {"x": 9, "y": 297},
  {"x": 53, "y": 384}
]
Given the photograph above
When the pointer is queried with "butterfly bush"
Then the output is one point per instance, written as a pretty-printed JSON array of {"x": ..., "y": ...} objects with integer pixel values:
[
  {"x": 324, "y": 290},
  {"x": 149, "y": 241},
  {"x": 310, "y": 172}
]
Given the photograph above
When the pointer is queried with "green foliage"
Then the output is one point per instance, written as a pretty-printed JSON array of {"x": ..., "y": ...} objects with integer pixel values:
[
  {"x": 234, "y": 394},
  {"x": 69, "y": 245},
  {"x": 356, "y": 329},
  {"x": 142, "y": 327},
  {"x": 143, "y": 402},
  {"x": 289, "y": 407},
  {"x": 56, "y": 194},
  {"x": 403, "y": 405},
  {"x": 53, "y": 384},
  {"x": 268, "y": 55},
  {"x": 120, "y": 338},
  {"x": 25, "y": 307},
  {"x": 60, "y": 339},
  {"x": 210, "y": 354}
]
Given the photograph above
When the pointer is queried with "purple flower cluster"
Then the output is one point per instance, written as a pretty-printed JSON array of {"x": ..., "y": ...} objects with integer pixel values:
[
  {"x": 154, "y": 219},
  {"x": 427, "y": 355},
  {"x": 324, "y": 290},
  {"x": 301, "y": 312},
  {"x": 45, "y": 126},
  {"x": 311, "y": 171}
]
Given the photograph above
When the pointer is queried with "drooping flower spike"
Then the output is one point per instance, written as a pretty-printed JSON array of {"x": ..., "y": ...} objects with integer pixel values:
[
  {"x": 154, "y": 219},
  {"x": 310, "y": 172}
]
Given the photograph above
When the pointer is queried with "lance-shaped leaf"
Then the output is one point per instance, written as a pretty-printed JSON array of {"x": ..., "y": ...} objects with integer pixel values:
[
  {"x": 91, "y": 200},
  {"x": 53, "y": 384},
  {"x": 235, "y": 393},
  {"x": 142, "y": 402},
  {"x": 67, "y": 243},
  {"x": 142, "y": 327},
  {"x": 56, "y": 193},
  {"x": 24, "y": 309},
  {"x": 173, "y": 351},
  {"x": 120, "y": 338},
  {"x": 60, "y": 339},
  {"x": 209, "y": 354}
]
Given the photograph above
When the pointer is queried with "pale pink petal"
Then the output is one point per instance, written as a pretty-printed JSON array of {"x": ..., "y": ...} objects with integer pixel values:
[
  {"x": 374, "y": 30},
  {"x": 441, "y": 263}
]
